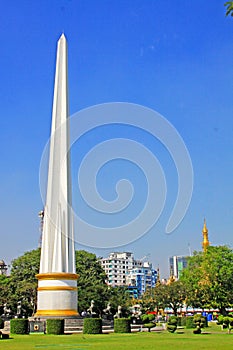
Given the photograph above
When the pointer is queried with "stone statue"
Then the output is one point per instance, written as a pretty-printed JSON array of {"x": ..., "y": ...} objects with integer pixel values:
[
  {"x": 19, "y": 309},
  {"x": 6, "y": 312},
  {"x": 107, "y": 311},
  {"x": 91, "y": 311},
  {"x": 119, "y": 312},
  {"x": 136, "y": 311},
  {"x": 5, "y": 309}
]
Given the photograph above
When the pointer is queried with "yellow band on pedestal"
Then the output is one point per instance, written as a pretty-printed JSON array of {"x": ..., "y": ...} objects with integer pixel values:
[
  {"x": 56, "y": 313},
  {"x": 56, "y": 288},
  {"x": 57, "y": 276}
]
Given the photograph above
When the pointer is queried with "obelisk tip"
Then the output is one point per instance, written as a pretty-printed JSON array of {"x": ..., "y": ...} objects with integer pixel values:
[{"x": 62, "y": 36}]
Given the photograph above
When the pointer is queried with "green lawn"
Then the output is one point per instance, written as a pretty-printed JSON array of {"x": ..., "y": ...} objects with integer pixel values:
[{"x": 212, "y": 338}]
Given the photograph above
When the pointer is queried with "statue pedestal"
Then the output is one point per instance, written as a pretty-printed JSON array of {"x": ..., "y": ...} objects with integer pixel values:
[{"x": 57, "y": 295}]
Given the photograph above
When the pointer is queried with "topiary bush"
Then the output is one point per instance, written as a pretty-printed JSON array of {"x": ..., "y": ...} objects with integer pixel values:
[
  {"x": 226, "y": 322},
  {"x": 92, "y": 326},
  {"x": 19, "y": 326},
  {"x": 172, "y": 324},
  {"x": 122, "y": 325},
  {"x": 200, "y": 322},
  {"x": 197, "y": 331},
  {"x": 190, "y": 322},
  {"x": 148, "y": 321},
  {"x": 220, "y": 319},
  {"x": 55, "y": 326},
  {"x": 1, "y": 323}
]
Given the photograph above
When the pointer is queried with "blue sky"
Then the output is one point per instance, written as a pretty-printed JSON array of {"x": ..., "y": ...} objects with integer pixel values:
[{"x": 173, "y": 57}]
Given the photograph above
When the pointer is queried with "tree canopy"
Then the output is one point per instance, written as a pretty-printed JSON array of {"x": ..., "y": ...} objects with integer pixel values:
[
  {"x": 23, "y": 282},
  {"x": 91, "y": 283},
  {"x": 165, "y": 295},
  {"x": 229, "y": 8},
  {"x": 207, "y": 282},
  {"x": 208, "y": 279}
]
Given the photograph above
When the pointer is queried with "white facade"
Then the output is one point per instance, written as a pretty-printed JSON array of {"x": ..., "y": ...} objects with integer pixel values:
[
  {"x": 116, "y": 267},
  {"x": 123, "y": 270}
]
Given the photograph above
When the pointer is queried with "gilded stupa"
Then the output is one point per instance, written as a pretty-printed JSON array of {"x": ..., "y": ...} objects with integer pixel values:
[{"x": 205, "y": 242}]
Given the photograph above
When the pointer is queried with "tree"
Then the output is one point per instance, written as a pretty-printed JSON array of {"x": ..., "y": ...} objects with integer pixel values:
[
  {"x": 170, "y": 295},
  {"x": 91, "y": 283},
  {"x": 4, "y": 291},
  {"x": 229, "y": 6},
  {"x": 208, "y": 279},
  {"x": 23, "y": 282},
  {"x": 148, "y": 301},
  {"x": 119, "y": 296}
]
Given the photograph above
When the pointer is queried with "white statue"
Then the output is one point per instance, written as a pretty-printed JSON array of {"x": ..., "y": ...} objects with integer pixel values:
[
  {"x": 91, "y": 308},
  {"x": 107, "y": 311}
]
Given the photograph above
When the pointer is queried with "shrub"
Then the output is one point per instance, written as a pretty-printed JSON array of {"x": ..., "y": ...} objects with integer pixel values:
[
  {"x": 172, "y": 324},
  {"x": 227, "y": 322},
  {"x": 183, "y": 321},
  {"x": 220, "y": 319},
  {"x": 179, "y": 321},
  {"x": 92, "y": 326},
  {"x": 200, "y": 322},
  {"x": 1, "y": 323},
  {"x": 197, "y": 331},
  {"x": 55, "y": 326},
  {"x": 148, "y": 321},
  {"x": 189, "y": 322},
  {"x": 19, "y": 326},
  {"x": 122, "y": 325}
]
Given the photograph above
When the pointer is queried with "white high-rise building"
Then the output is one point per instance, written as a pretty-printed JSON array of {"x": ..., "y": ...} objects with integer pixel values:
[
  {"x": 116, "y": 266},
  {"x": 123, "y": 270}
]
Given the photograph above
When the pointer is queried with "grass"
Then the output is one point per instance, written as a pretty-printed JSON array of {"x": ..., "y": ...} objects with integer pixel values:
[{"x": 212, "y": 338}]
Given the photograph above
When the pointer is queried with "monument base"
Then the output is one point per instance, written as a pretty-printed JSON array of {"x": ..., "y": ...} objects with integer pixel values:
[{"x": 57, "y": 295}]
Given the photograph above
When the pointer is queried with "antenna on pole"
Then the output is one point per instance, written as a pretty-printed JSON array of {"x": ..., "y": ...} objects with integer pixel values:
[{"x": 189, "y": 248}]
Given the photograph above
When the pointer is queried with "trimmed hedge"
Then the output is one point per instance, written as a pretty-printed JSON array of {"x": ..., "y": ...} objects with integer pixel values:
[
  {"x": 181, "y": 321},
  {"x": 92, "y": 326},
  {"x": 1, "y": 323},
  {"x": 19, "y": 326},
  {"x": 55, "y": 326},
  {"x": 122, "y": 325},
  {"x": 189, "y": 322}
]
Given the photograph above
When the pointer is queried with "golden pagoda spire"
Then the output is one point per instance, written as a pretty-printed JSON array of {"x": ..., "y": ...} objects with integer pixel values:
[{"x": 205, "y": 242}]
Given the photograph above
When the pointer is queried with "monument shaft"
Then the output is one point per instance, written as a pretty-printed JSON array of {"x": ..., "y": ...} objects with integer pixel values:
[{"x": 57, "y": 279}]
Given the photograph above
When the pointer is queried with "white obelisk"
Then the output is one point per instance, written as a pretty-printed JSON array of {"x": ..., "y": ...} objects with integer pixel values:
[{"x": 57, "y": 279}]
